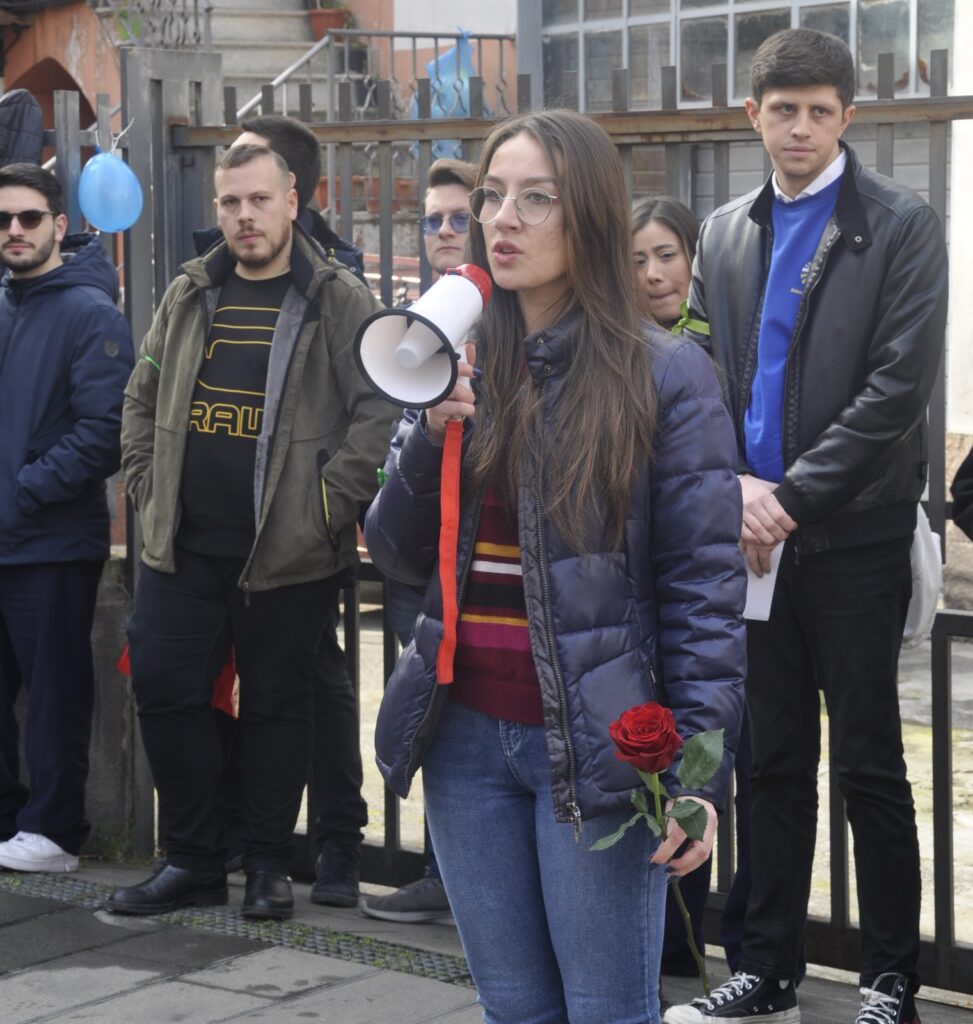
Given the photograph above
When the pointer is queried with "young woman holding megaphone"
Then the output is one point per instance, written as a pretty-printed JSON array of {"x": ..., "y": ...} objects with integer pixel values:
[{"x": 596, "y": 555}]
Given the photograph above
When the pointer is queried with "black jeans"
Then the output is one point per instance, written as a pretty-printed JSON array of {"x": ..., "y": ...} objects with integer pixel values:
[
  {"x": 180, "y": 632},
  {"x": 46, "y": 612},
  {"x": 337, "y": 807},
  {"x": 836, "y": 626}
]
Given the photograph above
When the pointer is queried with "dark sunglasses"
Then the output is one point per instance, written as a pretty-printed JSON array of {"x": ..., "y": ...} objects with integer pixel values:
[
  {"x": 459, "y": 222},
  {"x": 28, "y": 219}
]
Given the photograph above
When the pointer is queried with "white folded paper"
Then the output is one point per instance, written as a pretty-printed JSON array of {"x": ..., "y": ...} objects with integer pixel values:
[{"x": 760, "y": 589}]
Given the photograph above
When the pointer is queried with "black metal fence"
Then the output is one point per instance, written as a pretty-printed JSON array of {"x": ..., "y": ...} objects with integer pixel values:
[{"x": 180, "y": 116}]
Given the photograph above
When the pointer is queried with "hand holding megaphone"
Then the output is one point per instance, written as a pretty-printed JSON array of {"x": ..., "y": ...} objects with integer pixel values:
[
  {"x": 412, "y": 354},
  {"x": 461, "y": 401}
]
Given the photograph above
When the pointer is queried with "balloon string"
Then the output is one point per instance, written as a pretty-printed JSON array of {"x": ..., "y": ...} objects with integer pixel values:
[
  {"x": 115, "y": 139},
  {"x": 448, "y": 540}
]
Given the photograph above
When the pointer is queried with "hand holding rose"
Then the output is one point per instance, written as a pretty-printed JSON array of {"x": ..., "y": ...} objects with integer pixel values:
[{"x": 647, "y": 739}]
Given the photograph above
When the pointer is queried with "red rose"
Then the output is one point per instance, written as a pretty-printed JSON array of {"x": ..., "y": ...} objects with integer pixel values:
[{"x": 646, "y": 737}]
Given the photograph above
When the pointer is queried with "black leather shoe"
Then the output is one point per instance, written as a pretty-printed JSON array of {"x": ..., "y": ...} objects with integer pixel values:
[
  {"x": 268, "y": 896},
  {"x": 336, "y": 874},
  {"x": 168, "y": 889}
]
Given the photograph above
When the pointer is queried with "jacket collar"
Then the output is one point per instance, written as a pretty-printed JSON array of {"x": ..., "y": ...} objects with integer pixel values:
[
  {"x": 848, "y": 211},
  {"x": 309, "y": 267},
  {"x": 549, "y": 352}
]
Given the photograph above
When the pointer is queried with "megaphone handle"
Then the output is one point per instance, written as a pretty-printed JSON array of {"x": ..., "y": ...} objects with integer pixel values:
[{"x": 448, "y": 542}]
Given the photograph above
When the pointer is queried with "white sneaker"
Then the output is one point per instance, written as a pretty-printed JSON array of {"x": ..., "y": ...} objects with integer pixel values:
[{"x": 28, "y": 851}]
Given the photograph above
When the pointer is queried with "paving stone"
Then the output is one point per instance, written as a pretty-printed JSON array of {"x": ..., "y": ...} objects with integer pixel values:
[
  {"x": 19, "y": 908},
  {"x": 62, "y": 932},
  {"x": 186, "y": 947},
  {"x": 67, "y": 983},
  {"x": 380, "y": 998},
  {"x": 277, "y": 973},
  {"x": 170, "y": 1002},
  {"x": 469, "y": 1015}
]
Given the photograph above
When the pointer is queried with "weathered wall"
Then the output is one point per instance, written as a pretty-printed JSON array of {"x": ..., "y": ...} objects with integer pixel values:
[{"x": 64, "y": 48}]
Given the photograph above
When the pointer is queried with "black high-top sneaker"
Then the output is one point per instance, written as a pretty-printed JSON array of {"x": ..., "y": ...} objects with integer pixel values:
[
  {"x": 888, "y": 1001},
  {"x": 743, "y": 999}
]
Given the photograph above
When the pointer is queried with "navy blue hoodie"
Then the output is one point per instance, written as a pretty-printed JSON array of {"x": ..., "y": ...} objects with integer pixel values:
[{"x": 65, "y": 356}]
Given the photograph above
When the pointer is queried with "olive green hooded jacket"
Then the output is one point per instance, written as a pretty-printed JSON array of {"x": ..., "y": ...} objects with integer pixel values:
[{"x": 324, "y": 431}]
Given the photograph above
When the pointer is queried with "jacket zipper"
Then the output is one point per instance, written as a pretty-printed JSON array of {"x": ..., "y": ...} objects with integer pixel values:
[
  {"x": 795, "y": 338},
  {"x": 755, "y": 342},
  {"x": 572, "y": 806},
  {"x": 460, "y": 594},
  {"x": 802, "y": 312}
]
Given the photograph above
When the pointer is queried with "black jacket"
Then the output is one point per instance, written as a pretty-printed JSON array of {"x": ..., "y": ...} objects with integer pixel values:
[
  {"x": 863, "y": 356},
  {"x": 65, "y": 355},
  {"x": 21, "y": 128},
  {"x": 334, "y": 246},
  {"x": 962, "y": 490}
]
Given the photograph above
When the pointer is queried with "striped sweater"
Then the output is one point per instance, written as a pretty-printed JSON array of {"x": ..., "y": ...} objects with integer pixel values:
[{"x": 494, "y": 669}]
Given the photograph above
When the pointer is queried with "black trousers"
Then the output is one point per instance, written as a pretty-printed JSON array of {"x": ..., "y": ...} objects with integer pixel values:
[
  {"x": 46, "y": 611},
  {"x": 180, "y": 632},
  {"x": 836, "y": 626},
  {"x": 337, "y": 807}
]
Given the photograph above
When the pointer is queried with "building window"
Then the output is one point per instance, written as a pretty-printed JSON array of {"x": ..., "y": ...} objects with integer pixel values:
[
  {"x": 585, "y": 40},
  {"x": 751, "y": 31}
]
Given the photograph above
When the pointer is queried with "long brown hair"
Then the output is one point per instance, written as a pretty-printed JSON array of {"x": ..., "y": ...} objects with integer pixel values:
[{"x": 603, "y": 421}]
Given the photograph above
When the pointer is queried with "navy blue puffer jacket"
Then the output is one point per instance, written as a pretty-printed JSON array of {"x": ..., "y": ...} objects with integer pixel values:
[
  {"x": 65, "y": 356},
  {"x": 660, "y": 618}
]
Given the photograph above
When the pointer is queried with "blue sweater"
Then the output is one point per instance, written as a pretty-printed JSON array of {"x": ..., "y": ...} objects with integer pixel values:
[
  {"x": 798, "y": 227},
  {"x": 65, "y": 355}
]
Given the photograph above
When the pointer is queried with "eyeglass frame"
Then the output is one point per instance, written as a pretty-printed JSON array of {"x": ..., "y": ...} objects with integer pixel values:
[
  {"x": 30, "y": 214},
  {"x": 552, "y": 199},
  {"x": 424, "y": 221}
]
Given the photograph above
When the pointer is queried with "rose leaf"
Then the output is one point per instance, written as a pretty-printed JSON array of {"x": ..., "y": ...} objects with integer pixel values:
[{"x": 701, "y": 756}]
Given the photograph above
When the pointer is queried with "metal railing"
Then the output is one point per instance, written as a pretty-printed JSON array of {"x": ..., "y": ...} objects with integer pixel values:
[
  {"x": 357, "y": 65},
  {"x": 363, "y": 57},
  {"x": 160, "y": 24}
]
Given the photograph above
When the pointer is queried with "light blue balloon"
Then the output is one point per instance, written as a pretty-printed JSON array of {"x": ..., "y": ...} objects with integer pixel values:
[{"x": 109, "y": 193}]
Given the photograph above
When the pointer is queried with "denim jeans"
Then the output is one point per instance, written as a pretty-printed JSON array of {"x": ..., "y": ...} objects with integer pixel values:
[
  {"x": 552, "y": 931},
  {"x": 836, "y": 626}
]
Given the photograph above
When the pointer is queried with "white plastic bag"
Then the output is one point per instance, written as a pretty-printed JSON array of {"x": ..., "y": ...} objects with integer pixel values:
[{"x": 927, "y": 582}]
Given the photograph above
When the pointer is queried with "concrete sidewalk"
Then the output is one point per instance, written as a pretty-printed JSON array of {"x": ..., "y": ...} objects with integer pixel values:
[{"x": 64, "y": 959}]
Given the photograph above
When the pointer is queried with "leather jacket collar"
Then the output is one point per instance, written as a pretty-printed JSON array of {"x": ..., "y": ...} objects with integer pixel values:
[{"x": 848, "y": 211}]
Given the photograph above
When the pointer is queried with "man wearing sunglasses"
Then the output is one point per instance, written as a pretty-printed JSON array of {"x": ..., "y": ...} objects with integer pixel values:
[
  {"x": 65, "y": 355},
  {"x": 446, "y": 221}
]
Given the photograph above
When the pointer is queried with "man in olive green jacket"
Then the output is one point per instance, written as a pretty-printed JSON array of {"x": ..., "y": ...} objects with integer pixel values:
[{"x": 249, "y": 442}]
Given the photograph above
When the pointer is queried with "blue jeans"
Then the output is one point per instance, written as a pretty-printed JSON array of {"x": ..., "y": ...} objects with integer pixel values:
[{"x": 552, "y": 931}]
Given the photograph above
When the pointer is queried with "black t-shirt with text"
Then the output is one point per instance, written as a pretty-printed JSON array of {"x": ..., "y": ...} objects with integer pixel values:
[{"x": 225, "y": 419}]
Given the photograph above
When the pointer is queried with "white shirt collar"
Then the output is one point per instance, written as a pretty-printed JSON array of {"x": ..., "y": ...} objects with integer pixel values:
[{"x": 831, "y": 173}]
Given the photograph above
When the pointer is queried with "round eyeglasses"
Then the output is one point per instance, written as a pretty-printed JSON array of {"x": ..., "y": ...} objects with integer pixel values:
[
  {"x": 533, "y": 205},
  {"x": 458, "y": 222}
]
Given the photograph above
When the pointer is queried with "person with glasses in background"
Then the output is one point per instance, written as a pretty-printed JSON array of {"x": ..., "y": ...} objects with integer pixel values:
[
  {"x": 445, "y": 227},
  {"x": 65, "y": 355},
  {"x": 597, "y": 548}
]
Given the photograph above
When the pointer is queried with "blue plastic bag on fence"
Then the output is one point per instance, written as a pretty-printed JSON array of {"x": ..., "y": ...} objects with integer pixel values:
[{"x": 449, "y": 81}]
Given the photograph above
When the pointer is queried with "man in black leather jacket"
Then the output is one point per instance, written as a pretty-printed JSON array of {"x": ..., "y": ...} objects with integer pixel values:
[{"x": 825, "y": 292}]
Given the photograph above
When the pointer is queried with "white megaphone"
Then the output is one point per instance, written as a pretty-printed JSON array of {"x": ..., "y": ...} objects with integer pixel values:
[{"x": 410, "y": 354}]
